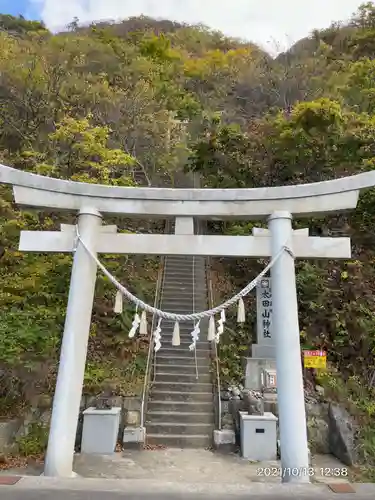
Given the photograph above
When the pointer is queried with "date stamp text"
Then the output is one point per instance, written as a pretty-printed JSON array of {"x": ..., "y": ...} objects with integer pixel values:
[{"x": 302, "y": 471}]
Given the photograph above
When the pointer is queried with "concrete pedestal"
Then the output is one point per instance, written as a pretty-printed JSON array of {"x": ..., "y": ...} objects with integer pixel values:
[
  {"x": 100, "y": 430},
  {"x": 258, "y": 436}
]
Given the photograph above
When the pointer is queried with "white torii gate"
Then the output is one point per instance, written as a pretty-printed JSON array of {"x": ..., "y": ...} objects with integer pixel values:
[{"x": 276, "y": 204}]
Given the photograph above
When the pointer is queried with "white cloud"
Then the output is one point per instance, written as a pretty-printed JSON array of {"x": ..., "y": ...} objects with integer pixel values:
[{"x": 265, "y": 22}]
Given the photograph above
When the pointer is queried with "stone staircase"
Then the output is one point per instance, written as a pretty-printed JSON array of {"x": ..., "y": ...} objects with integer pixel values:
[{"x": 180, "y": 409}]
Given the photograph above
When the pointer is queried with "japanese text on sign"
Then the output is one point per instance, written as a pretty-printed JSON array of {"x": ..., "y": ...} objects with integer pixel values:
[
  {"x": 314, "y": 359},
  {"x": 264, "y": 310}
]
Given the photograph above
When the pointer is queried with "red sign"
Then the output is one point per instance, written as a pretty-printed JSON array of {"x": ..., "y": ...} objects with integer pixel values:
[{"x": 314, "y": 353}]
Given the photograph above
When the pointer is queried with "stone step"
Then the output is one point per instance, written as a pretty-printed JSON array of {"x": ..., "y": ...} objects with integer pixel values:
[
  {"x": 184, "y": 293},
  {"x": 176, "y": 298},
  {"x": 167, "y": 331},
  {"x": 183, "y": 271},
  {"x": 183, "y": 347},
  {"x": 182, "y": 386},
  {"x": 196, "y": 283},
  {"x": 186, "y": 266},
  {"x": 201, "y": 349},
  {"x": 183, "y": 305},
  {"x": 185, "y": 298},
  {"x": 166, "y": 345},
  {"x": 179, "y": 304},
  {"x": 185, "y": 301},
  {"x": 198, "y": 261},
  {"x": 203, "y": 378},
  {"x": 177, "y": 417},
  {"x": 187, "y": 295},
  {"x": 177, "y": 368},
  {"x": 181, "y": 287},
  {"x": 176, "y": 428},
  {"x": 186, "y": 327},
  {"x": 182, "y": 309},
  {"x": 176, "y": 360},
  {"x": 181, "y": 406},
  {"x": 199, "y": 304},
  {"x": 175, "y": 396},
  {"x": 179, "y": 440},
  {"x": 181, "y": 352},
  {"x": 185, "y": 342},
  {"x": 188, "y": 275},
  {"x": 185, "y": 334}
]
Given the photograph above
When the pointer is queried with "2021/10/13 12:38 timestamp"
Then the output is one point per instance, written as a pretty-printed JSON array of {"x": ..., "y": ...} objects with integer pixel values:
[{"x": 305, "y": 471}]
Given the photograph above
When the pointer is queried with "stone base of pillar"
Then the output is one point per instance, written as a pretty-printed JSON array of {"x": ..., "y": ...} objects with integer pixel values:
[
  {"x": 134, "y": 438},
  {"x": 224, "y": 440}
]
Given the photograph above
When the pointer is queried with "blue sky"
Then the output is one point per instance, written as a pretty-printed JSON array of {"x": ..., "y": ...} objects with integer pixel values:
[
  {"x": 16, "y": 7},
  {"x": 273, "y": 24}
]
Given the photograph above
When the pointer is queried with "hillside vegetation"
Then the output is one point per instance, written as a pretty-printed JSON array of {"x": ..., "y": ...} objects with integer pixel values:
[{"x": 142, "y": 102}]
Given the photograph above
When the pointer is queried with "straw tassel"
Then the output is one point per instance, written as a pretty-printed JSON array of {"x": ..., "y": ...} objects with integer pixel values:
[
  {"x": 211, "y": 329},
  {"x": 222, "y": 316},
  {"x": 118, "y": 303},
  {"x": 135, "y": 325},
  {"x": 143, "y": 324},
  {"x": 241, "y": 317},
  {"x": 176, "y": 335},
  {"x": 195, "y": 336},
  {"x": 157, "y": 336}
]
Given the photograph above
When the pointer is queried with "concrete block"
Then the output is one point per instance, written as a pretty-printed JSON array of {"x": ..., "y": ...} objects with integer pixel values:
[
  {"x": 263, "y": 351},
  {"x": 224, "y": 440},
  {"x": 134, "y": 437},
  {"x": 132, "y": 418},
  {"x": 100, "y": 430},
  {"x": 258, "y": 437},
  {"x": 254, "y": 368},
  {"x": 184, "y": 225},
  {"x": 131, "y": 403}
]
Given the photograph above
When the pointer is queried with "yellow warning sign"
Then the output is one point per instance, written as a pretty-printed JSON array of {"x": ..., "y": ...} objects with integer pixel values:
[{"x": 315, "y": 359}]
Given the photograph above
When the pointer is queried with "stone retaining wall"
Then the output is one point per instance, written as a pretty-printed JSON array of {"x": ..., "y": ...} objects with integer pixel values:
[{"x": 12, "y": 429}]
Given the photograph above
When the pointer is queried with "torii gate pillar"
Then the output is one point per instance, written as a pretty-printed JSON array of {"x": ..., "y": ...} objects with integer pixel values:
[
  {"x": 68, "y": 393},
  {"x": 292, "y": 414}
]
